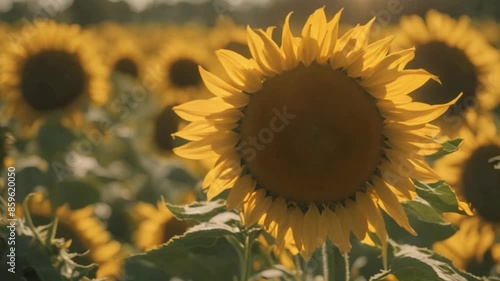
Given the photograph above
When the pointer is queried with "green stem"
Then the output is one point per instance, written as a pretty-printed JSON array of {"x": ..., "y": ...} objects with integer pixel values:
[
  {"x": 247, "y": 263},
  {"x": 324, "y": 254},
  {"x": 346, "y": 262}
]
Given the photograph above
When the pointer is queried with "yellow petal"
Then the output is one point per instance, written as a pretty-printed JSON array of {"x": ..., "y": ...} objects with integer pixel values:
[
  {"x": 242, "y": 188},
  {"x": 209, "y": 147},
  {"x": 223, "y": 89},
  {"x": 336, "y": 231},
  {"x": 359, "y": 225},
  {"x": 416, "y": 113},
  {"x": 296, "y": 221},
  {"x": 310, "y": 230},
  {"x": 330, "y": 39},
  {"x": 397, "y": 83},
  {"x": 265, "y": 52},
  {"x": 288, "y": 45},
  {"x": 241, "y": 71},
  {"x": 256, "y": 206},
  {"x": 390, "y": 204},
  {"x": 198, "y": 109},
  {"x": 374, "y": 216}
]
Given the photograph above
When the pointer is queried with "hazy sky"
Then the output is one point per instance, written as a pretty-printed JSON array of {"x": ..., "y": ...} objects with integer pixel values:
[{"x": 138, "y": 5}]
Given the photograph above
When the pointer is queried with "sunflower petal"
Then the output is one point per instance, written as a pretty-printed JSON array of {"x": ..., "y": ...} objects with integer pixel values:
[{"x": 243, "y": 186}]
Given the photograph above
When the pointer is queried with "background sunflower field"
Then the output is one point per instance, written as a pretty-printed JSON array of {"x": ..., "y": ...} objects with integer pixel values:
[{"x": 235, "y": 140}]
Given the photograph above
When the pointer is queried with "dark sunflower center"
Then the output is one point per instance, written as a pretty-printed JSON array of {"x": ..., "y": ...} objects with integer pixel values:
[
  {"x": 52, "y": 80},
  {"x": 173, "y": 228},
  {"x": 127, "y": 66},
  {"x": 481, "y": 182},
  {"x": 454, "y": 69},
  {"x": 166, "y": 124},
  {"x": 184, "y": 73},
  {"x": 311, "y": 135}
]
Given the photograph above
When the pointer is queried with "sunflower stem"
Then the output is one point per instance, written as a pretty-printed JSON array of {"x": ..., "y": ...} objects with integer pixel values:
[
  {"x": 324, "y": 254},
  {"x": 247, "y": 263},
  {"x": 346, "y": 262}
]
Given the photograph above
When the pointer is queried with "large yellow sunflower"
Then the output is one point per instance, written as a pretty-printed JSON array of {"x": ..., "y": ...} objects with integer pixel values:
[
  {"x": 471, "y": 172},
  {"x": 462, "y": 59},
  {"x": 53, "y": 68},
  {"x": 85, "y": 231},
  {"x": 315, "y": 136}
]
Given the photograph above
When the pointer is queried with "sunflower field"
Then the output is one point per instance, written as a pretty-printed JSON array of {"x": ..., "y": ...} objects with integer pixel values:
[{"x": 245, "y": 140}]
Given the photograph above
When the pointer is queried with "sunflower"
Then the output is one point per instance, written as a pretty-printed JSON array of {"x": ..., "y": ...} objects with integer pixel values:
[
  {"x": 121, "y": 50},
  {"x": 165, "y": 124},
  {"x": 52, "y": 69},
  {"x": 228, "y": 35},
  {"x": 311, "y": 137},
  {"x": 174, "y": 71},
  {"x": 156, "y": 225},
  {"x": 84, "y": 230},
  {"x": 471, "y": 172},
  {"x": 460, "y": 56}
]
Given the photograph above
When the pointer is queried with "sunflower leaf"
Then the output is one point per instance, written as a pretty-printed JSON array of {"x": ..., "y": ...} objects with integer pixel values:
[
  {"x": 198, "y": 211},
  {"x": 423, "y": 211},
  {"x": 449, "y": 146},
  {"x": 411, "y": 264},
  {"x": 199, "y": 248},
  {"x": 439, "y": 195}
]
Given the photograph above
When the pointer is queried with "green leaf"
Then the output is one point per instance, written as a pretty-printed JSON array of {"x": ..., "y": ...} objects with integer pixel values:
[
  {"x": 449, "y": 146},
  {"x": 439, "y": 195},
  {"x": 414, "y": 264},
  {"x": 198, "y": 211},
  {"x": 196, "y": 254},
  {"x": 54, "y": 139},
  {"x": 423, "y": 211}
]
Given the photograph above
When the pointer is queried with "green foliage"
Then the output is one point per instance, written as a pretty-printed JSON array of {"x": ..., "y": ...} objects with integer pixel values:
[
  {"x": 415, "y": 264},
  {"x": 449, "y": 146},
  {"x": 198, "y": 211},
  {"x": 196, "y": 254},
  {"x": 39, "y": 255}
]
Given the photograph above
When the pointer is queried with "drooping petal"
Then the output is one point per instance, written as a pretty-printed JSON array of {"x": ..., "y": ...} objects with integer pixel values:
[{"x": 242, "y": 188}]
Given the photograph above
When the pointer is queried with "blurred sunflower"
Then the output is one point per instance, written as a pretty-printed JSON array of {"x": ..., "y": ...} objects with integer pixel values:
[
  {"x": 53, "y": 69},
  {"x": 176, "y": 66},
  {"x": 121, "y": 50},
  {"x": 471, "y": 172},
  {"x": 84, "y": 230},
  {"x": 461, "y": 58},
  {"x": 156, "y": 225},
  {"x": 228, "y": 35},
  {"x": 314, "y": 133},
  {"x": 165, "y": 124}
]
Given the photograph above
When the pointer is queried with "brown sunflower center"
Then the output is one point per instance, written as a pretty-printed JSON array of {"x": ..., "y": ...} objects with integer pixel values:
[
  {"x": 52, "y": 80},
  {"x": 311, "y": 135},
  {"x": 454, "y": 69},
  {"x": 127, "y": 66},
  {"x": 165, "y": 125},
  {"x": 481, "y": 182},
  {"x": 184, "y": 73}
]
